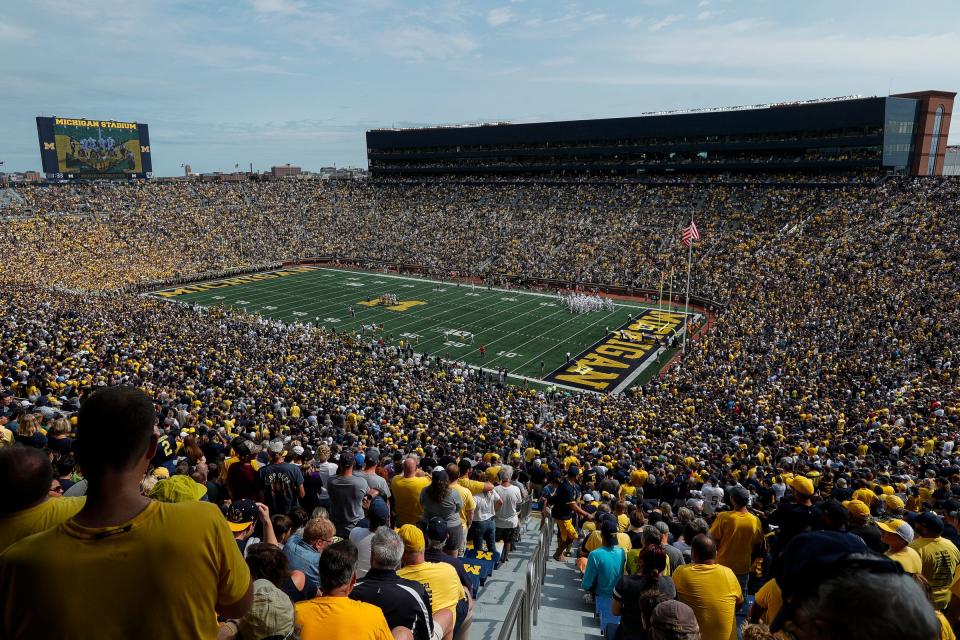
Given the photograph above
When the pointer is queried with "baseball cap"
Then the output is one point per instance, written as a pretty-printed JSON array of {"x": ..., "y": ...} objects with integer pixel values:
[
  {"x": 898, "y": 527},
  {"x": 271, "y": 614},
  {"x": 573, "y": 471},
  {"x": 931, "y": 521},
  {"x": 671, "y": 618},
  {"x": 588, "y": 497},
  {"x": 358, "y": 458},
  {"x": 802, "y": 485},
  {"x": 412, "y": 538},
  {"x": 437, "y": 529},
  {"x": 609, "y": 527},
  {"x": 857, "y": 507},
  {"x": 814, "y": 557},
  {"x": 276, "y": 446},
  {"x": 297, "y": 450},
  {"x": 379, "y": 510},
  {"x": 161, "y": 472},
  {"x": 372, "y": 455},
  {"x": 242, "y": 514},
  {"x": 178, "y": 489}
]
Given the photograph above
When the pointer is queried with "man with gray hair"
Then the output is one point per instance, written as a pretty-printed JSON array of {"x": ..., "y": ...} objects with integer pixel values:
[
  {"x": 405, "y": 603},
  {"x": 507, "y": 517}
]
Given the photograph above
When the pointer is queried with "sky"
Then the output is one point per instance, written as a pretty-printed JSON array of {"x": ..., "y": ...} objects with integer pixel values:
[{"x": 269, "y": 82}]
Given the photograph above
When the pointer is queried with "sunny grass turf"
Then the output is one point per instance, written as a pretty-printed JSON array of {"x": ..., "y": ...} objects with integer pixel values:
[{"x": 519, "y": 329}]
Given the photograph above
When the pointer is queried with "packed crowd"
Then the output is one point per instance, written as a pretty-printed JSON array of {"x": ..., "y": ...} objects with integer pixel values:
[{"x": 833, "y": 368}]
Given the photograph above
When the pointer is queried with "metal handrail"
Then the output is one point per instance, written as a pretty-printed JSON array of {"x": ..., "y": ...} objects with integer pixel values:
[
  {"x": 513, "y": 615},
  {"x": 525, "y": 607}
]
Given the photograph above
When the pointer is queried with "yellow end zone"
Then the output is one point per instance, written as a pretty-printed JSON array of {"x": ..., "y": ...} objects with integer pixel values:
[{"x": 231, "y": 282}]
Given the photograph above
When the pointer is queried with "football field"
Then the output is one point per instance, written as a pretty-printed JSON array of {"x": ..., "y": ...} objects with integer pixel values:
[{"x": 525, "y": 332}]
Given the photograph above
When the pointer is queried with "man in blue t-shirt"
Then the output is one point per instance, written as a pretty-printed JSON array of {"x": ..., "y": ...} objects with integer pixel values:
[{"x": 280, "y": 482}]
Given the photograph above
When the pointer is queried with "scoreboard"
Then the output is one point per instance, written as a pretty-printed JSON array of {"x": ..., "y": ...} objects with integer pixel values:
[{"x": 75, "y": 148}]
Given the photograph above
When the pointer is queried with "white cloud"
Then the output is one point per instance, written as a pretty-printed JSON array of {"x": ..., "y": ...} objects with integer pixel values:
[
  {"x": 595, "y": 17},
  {"x": 10, "y": 32},
  {"x": 419, "y": 44},
  {"x": 664, "y": 23},
  {"x": 500, "y": 16},
  {"x": 634, "y": 22},
  {"x": 706, "y": 15},
  {"x": 286, "y": 7}
]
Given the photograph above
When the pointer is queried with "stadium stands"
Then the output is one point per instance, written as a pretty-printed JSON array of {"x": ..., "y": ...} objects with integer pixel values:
[{"x": 831, "y": 374}]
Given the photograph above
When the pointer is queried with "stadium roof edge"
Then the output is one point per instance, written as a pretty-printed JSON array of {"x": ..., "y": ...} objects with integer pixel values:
[{"x": 771, "y": 105}]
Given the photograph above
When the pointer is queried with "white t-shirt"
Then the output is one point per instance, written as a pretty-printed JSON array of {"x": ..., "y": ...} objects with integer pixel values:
[
  {"x": 508, "y": 515},
  {"x": 484, "y": 508},
  {"x": 712, "y": 498}
]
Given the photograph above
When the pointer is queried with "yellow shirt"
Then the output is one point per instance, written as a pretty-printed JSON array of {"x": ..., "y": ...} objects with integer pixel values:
[
  {"x": 946, "y": 633},
  {"x": 908, "y": 559},
  {"x": 114, "y": 572},
  {"x": 939, "y": 558},
  {"x": 469, "y": 504},
  {"x": 325, "y": 618},
  {"x": 770, "y": 598},
  {"x": 493, "y": 474},
  {"x": 41, "y": 517},
  {"x": 441, "y": 582},
  {"x": 712, "y": 591},
  {"x": 406, "y": 498},
  {"x": 474, "y": 486},
  {"x": 736, "y": 533}
]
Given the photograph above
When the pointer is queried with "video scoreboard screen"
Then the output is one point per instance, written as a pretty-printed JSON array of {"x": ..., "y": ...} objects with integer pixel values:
[{"x": 73, "y": 148}]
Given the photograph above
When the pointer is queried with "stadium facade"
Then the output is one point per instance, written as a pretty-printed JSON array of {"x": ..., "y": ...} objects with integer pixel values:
[{"x": 899, "y": 134}]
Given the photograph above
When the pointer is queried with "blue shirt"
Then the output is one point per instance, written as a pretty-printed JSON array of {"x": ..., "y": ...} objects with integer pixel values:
[
  {"x": 303, "y": 557},
  {"x": 604, "y": 568}
]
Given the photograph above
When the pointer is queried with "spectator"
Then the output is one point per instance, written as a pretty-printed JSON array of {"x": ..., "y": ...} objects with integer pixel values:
[
  {"x": 439, "y": 500},
  {"x": 738, "y": 535},
  {"x": 371, "y": 458},
  {"x": 304, "y": 550},
  {"x": 827, "y": 576},
  {"x": 407, "y": 489},
  {"x": 563, "y": 505},
  {"x": 631, "y": 594},
  {"x": 120, "y": 539},
  {"x": 711, "y": 590},
  {"x": 938, "y": 556},
  {"x": 507, "y": 516},
  {"x": 378, "y": 515},
  {"x": 404, "y": 603},
  {"x": 346, "y": 495},
  {"x": 26, "y": 506},
  {"x": 267, "y": 562},
  {"x": 441, "y": 581},
  {"x": 672, "y": 620},
  {"x": 605, "y": 564},
  {"x": 333, "y": 614},
  {"x": 243, "y": 517},
  {"x": 437, "y": 536},
  {"x": 469, "y": 505},
  {"x": 281, "y": 483},
  {"x": 898, "y": 535},
  {"x": 270, "y": 616},
  {"x": 858, "y": 523}
]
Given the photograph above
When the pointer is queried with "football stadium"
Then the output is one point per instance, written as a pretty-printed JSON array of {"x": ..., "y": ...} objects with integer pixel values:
[
  {"x": 683, "y": 374},
  {"x": 532, "y": 336}
]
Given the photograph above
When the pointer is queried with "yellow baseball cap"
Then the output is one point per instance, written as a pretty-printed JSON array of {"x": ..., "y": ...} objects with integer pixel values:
[
  {"x": 898, "y": 527},
  {"x": 178, "y": 489},
  {"x": 857, "y": 507},
  {"x": 802, "y": 485},
  {"x": 412, "y": 537}
]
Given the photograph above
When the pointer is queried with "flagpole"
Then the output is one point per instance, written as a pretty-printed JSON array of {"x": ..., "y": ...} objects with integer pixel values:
[
  {"x": 670, "y": 295},
  {"x": 686, "y": 303},
  {"x": 663, "y": 276}
]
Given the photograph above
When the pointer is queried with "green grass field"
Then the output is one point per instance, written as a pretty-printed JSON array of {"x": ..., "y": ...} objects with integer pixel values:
[{"x": 519, "y": 329}]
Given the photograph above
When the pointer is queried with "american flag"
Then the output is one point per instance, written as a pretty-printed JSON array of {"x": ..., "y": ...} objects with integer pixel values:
[{"x": 691, "y": 233}]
